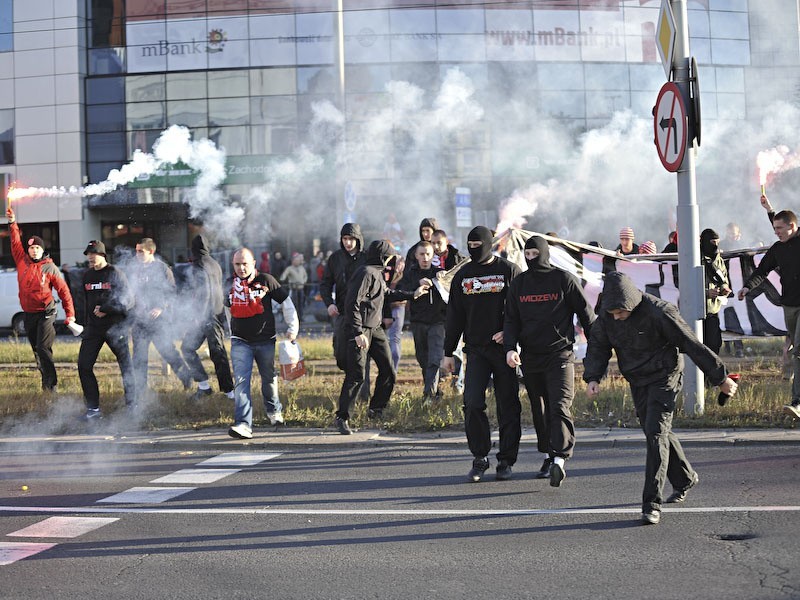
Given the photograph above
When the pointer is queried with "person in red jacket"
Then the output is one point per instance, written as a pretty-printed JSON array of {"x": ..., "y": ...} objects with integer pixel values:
[{"x": 38, "y": 275}]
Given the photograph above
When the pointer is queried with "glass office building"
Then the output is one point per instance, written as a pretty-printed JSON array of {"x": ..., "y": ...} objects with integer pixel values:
[{"x": 252, "y": 76}]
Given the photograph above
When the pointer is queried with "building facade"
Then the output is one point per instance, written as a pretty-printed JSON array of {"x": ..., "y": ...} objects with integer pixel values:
[{"x": 89, "y": 82}]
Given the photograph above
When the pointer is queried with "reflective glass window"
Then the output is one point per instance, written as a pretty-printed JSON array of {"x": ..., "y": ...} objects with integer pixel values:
[
  {"x": 317, "y": 80},
  {"x": 273, "y": 139},
  {"x": 107, "y": 23},
  {"x": 272, "y": 82},
  {"x": 6, "y": 137},
  {"x": 363, "y": 78},
  {"x": 106, "y": 61},
  {"x": 105, "y": 90},
  {"x": 228, "y": 111},
  {"x": 181, "y": 86},
  {"x": 99, "y": 171},
  {"x": 105, "y": 117},
  {"x": 235, "y": 140},
  {"x": 145, "y": 88},
  {"x": 226, "y": 84},
  {"x": 146, "y": 115},
  {"x": 6, "y": 26},
  {"x": 273, "y": 110},
  {"x": 142, "y": 140},
  {"x": 191, "y": 113},
  {"x": 106, "y": 146}
]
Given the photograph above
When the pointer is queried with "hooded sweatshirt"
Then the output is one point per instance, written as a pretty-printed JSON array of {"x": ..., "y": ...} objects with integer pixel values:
[
  {"x": 477, "y": 296},
  {"x": 426, "y": 222},
  {"x": 367, "y": 290},
  {"x": 204, "y": 282},
  {"x": 716, "y": 275},
  {"x": 37, "y": 279},
  {"x": 648, "y": 343},
  {"x": 541, "y": 307},
  {"x": 108, "y": 289},
  {"x": 340, "y": 268}
]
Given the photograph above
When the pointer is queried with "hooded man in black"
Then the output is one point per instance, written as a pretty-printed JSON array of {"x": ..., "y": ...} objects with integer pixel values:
[
  {"x": 340, "y": 268},
  {"x": 717, "y": 287},
  {"x": 426, "y": 228},
  {"x": 205, "y": 293},
  {"x": 476, "y": 309},
  {"x": 363, "y": 334},
  {"x": 540, "y": 314},
  {"x": 649, "y": 336}
]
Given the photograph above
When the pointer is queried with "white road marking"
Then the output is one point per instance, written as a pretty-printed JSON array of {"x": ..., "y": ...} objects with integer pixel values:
[
  {"x": 390, "y": 511},
  {"x": 238, "y": 459},
  {"x": 63, "y": 527},
  {"x": 197, "y": 476},
  {"x": 144, "y": 495},
  {"x": 11, "y": 552}
]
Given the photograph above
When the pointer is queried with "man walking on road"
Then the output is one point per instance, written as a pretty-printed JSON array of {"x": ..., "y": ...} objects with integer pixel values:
[
  {"x": 649, "y": 336},
  {"x": 38, "y": 276}
]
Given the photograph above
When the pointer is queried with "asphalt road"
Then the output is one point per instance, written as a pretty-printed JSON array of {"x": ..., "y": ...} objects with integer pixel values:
[{"x": 390, "y": 522}]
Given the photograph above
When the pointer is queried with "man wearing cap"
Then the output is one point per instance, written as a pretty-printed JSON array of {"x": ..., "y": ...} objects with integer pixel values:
[
  {"x": 38, "y": 275},
  {"x": 626, "y": 245},
  {"x": 108, "y": 301}
]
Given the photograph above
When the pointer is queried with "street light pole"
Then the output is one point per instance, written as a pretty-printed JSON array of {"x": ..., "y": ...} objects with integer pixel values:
[{"x": 692, "y": 298}]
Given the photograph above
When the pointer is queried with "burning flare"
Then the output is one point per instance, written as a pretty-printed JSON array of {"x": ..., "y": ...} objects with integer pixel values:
[{"x": 775, "y": 160}]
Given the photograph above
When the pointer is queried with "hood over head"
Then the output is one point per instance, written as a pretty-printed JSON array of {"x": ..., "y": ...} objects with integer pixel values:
[
  {"x": 541, "y": 262},
  {"x": 380, "y": 252},
  {"x": 353, "y": 230},
  {"x": 706, "y": 246},
  {"x": 428, "y": 222},
  {"x": 619, "y": 291},
  {"x": 484, "y": 252},
  {"x": 199, "y": 246}
]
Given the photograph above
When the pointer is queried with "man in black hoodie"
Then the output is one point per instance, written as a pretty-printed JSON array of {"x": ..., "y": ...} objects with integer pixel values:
[
  {"x": 204, "y": 294},
  {"x": 340, "y": 268},
  {"x": 476, "y": 309},
  {"x": 363, "y": 335},
  {"x": 717, "y": 287},
  {"x": 649, "y": 336},
  {"x": 426, "y": 228},
  {"x": 427, "y": 315},
  {"x": 108, "y": 300},
  {"x": 540, "y": 314}
]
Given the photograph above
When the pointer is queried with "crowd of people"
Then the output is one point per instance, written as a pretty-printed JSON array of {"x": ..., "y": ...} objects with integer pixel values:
[{"x": 493, "y": 325}]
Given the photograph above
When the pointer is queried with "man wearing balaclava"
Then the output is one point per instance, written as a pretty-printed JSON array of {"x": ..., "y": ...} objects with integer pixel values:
[
  {"x": 363, "y": 333},
  {"x": 476, "y": 309},
  {"x": 650, "y": 337},
  {"x": 38, "y": 276},
  {"x": 540, "y": 313},
  {"x": 717, "y": 287}
]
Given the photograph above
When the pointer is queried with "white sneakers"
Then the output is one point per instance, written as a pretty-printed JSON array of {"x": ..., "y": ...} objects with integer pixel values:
[
  {"x": 275, "y": 418},
  {"x": 241, "y": 431}
]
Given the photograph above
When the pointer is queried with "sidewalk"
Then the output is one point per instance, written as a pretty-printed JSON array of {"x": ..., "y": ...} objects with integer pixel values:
[{"x": 219, "y": 441}]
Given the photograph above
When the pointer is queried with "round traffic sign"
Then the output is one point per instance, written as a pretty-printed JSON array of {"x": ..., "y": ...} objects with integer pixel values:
[{"x": 670, "y": 128}]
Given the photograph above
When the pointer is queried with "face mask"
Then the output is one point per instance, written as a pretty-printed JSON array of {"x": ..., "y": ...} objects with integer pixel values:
[{"x": 482, "y": 253}]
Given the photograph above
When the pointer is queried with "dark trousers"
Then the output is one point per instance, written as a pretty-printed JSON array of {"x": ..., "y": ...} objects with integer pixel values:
[
  {"x": 117, "y": 339},
  {"x": 655, "y": 404},
  {"x": 482, "y": 363},
  {"x": 429, "y": 350},
  {"x": 213, "y": 333},
  {"x": 41, "y": 331},
  {"x": 378, "y": 350},
  {"x": 340, "y": 346},
  {"x": 712, "y": 335},
  {"x": 143, "y": 333},
  {"x": 550, "y": 382}
]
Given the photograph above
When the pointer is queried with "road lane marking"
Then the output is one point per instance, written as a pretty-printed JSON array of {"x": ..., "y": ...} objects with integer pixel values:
[
  {"x": 238, "y": 459},
  {"x": 63, "y": 527},
  {"x": 144, "y": 495},
  {"x": 196, "y": 476},
  {"x": 390, "y": 511},
  {"x": 11, "y": 552}
]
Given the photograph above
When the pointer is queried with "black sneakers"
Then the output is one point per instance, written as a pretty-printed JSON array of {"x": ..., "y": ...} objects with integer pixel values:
[
  {"x": 479, "y": 466},
  {"x": 680, "y": 495},
  {"x": 557, "y": 475},
  {"x": 201, "y": 394},
  {"x": 503, "y": 471},
  {"x": 544, "y": 472},
  {"x": 343, "y": 426}
]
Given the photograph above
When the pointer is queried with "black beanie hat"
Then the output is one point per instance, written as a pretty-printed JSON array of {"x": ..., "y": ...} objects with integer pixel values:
[
  {"x": 483, "y": 252},
  {"x": 35, "y": 240}
]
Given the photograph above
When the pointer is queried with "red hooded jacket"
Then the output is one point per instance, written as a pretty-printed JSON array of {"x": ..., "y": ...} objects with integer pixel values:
[{"x": 37, "y": 279}]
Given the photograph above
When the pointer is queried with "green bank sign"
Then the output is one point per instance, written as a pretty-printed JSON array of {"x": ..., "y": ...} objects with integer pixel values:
[{"x": 238, "y": 169}]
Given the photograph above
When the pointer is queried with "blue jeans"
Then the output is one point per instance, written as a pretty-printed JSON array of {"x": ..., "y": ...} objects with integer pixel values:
[{"x": 242, "y": 356}]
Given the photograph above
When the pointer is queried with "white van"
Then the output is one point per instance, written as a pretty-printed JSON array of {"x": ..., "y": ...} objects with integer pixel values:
[{"x": 11, "y": 315}]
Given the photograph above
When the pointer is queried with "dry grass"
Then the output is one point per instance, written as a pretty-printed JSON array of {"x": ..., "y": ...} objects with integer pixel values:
[{"x": 311, "y": 400}]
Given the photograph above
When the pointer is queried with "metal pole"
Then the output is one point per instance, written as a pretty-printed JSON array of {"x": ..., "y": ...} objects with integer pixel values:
[{"x": 692, "y": 300}]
